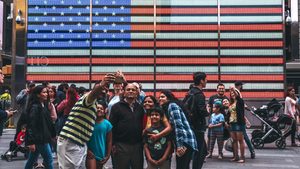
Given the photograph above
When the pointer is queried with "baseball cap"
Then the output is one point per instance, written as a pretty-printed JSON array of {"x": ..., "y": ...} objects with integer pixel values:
[{"x": 218, "y": 104}]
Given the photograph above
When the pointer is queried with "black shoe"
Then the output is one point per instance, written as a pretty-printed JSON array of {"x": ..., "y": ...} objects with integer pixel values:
[{"x": 253, "y": 154}]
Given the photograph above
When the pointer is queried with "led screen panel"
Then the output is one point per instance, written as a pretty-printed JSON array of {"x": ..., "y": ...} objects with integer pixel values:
[{"x": 164, "y": 40}]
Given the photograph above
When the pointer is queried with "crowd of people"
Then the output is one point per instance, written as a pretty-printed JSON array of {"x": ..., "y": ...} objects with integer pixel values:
[{"x": 87, "y": 128}]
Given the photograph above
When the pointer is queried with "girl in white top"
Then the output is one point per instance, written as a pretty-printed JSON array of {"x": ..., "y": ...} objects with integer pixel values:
[{"x": 290, "y": 110}]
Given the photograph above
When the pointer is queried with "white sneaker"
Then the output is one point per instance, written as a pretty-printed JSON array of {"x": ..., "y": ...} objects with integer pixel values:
[{"x": 40, "y": 165}]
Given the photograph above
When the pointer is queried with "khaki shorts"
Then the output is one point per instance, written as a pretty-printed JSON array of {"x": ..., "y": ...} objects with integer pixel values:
[{"x": 70, "y": 155}]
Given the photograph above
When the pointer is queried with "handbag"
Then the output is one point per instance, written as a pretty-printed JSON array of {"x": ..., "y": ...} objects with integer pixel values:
[{"x": 228, "y": 145}]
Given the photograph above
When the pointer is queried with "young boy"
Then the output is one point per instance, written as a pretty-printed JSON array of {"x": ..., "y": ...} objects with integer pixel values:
[
  {"x": 157, "y": 152},
  {"x": 100, "y": 144},
  {"x": 216, "y": 125}
]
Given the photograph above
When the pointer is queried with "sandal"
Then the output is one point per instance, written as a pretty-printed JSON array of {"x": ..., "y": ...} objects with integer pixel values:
[
  {"x": 234, "y": 159},
  {"x": 209, "y": 155},
  {"x": 242, "y": 160}
]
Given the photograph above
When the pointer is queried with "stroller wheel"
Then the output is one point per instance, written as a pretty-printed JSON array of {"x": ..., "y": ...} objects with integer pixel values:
[
  {"x": 258, "y": 143},
  {"x": 280, "y": 144},
  {"x": 8, "y": 158}
]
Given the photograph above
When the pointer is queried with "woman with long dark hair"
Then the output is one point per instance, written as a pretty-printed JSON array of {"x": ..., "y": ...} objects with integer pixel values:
[
  {"x": 149, "y": 103},
  {"x": 54, "y": 100},
  {"x": 53, "y": 114},
  {"x": 290, "y": 110},
  {"x": 185, "y": 140},
  {"x": 237, "y": 123},
  {"x": 52, "y": 95},
  {"x": 40, "y": 129}
]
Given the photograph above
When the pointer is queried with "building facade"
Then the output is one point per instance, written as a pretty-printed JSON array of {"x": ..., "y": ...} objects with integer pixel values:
[{"x": 158, "y": 43}]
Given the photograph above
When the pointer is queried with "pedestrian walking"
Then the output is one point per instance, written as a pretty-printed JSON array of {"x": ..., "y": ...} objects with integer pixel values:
[
  {"x": 40, "y": 128},
  {"x": 198, "y": 113},
  {"x": 290, "y": 110},
  {"x": 21, "y": 101}
]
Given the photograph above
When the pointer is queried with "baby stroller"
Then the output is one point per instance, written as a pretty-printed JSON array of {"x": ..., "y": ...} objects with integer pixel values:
[
  {"x": 13, "y": 150},
  {"x": 275, "y": 126}
]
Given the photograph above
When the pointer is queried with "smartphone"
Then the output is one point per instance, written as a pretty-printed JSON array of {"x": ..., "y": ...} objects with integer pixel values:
[
  {"x": 119, "y": 79},
  {"x": 111, "y": 74}
]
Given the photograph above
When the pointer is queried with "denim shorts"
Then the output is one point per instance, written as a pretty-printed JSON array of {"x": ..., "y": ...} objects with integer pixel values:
[{"x": 236, "y": 127}]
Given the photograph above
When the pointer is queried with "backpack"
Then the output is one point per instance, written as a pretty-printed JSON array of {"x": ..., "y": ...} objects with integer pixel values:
[{"x": 189, "y": 107}]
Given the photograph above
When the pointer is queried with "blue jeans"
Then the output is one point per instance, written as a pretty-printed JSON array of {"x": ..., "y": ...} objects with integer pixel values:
[
  {"x": 247, "y": 140},
  {"x": 45, "y": 151}
]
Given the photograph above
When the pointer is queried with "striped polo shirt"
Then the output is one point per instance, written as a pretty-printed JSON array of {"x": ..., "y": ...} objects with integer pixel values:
[{"x": 80, "y": 123}]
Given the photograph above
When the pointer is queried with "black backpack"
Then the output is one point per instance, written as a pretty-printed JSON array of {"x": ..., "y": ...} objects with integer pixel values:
[{"x": 189, "y": 107}]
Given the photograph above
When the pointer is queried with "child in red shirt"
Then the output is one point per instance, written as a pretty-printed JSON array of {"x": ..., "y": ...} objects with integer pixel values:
[{"x": 21, "y": 136}]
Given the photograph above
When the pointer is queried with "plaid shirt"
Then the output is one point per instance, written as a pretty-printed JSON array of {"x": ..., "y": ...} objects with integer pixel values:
[{"x": 183, "y": 132}]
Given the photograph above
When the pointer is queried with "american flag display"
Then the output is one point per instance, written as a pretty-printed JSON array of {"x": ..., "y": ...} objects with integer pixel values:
[{"x": 229, "y": 40}]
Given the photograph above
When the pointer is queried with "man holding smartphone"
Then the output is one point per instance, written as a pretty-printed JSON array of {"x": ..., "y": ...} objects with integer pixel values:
[{"x": 77, "y": 131}]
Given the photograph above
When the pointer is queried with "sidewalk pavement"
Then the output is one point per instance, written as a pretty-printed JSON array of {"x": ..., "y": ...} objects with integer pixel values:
[{"x": 268, "y": 158}]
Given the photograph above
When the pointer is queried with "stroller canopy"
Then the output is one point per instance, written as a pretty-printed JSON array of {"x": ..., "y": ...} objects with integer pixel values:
[{"x": 274, "y": 105}]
